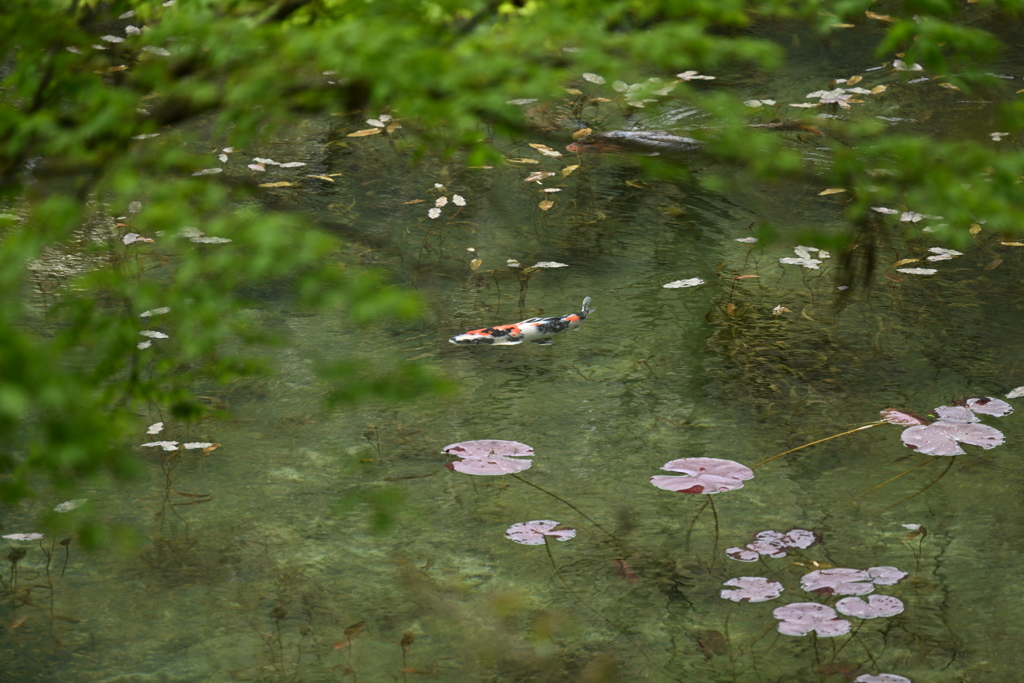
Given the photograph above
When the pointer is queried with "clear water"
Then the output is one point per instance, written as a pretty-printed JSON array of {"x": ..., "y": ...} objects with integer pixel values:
[{"x": 264, "y": 579}]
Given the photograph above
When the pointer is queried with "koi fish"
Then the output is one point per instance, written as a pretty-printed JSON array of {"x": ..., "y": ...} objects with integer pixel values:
[{"x": 536, "y": 330}]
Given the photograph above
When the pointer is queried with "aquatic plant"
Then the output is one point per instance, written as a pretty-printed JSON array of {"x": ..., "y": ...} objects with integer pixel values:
[
  {"x": 752, "y": 589},
  {"x": 844, "y": 581},
  {"x": 774, "y": 544},
  {"x": 536, "y": 532},
  {"x": 704, "y": 475},
  {"x": 875, "y": 606},
  {"x": 489, "y": 457},
  {"x": 800, "y": 618}
]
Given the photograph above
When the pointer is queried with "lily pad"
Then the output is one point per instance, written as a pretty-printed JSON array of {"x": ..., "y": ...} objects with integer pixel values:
[
  {"x": 706, "y": 475},
  {"x": 533, "y": 532},
  {"x": 752, "y": 589},
  {"x": 940, "y": 438},
  {"x": 800, "y": 618}
]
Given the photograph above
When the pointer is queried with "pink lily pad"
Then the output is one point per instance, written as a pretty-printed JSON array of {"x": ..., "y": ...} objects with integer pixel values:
[
  {"x": 800, "y": 618},
  {"x": 533, "y": 532},
  {"x": 752, "y": 589},
  {"x": 881, "y": 678},
  {"x": 801, "y": 538},
  {"x": 838, "y": 581},
  {"x": 489, "y": 457},
  {"x": 742, "y": 554},
  {"x": 487, "y": 448},
  {"x": 940, "y": 438},
  {"x": 989, "y": 406},
  {"x": 876, "y": 606},
  {"x": 900, "y": 417},
  {"x": 886, "y": 576},
  {"x": 706, "y": 475},
  {"x": 774, "y": 544},
  {"x": 960, "y": 414},
  {"x": 490, "y": 466}
]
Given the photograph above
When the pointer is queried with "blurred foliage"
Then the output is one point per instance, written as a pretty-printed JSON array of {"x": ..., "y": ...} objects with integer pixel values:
[{"x": 83, "y": 81}]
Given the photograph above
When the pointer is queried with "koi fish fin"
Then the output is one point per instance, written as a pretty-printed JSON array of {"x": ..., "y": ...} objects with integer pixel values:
[
  {"x": 506, "y": 343},
  {"x": 543, "y": 342}
]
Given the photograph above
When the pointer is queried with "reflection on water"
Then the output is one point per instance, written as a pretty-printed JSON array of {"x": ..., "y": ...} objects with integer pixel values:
[{"x": 271, "y": 581}]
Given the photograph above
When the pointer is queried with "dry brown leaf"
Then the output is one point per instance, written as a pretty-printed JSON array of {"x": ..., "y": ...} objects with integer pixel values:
[
  {"x": 581, "y": 133},
  {"x": 393, "y": 126},
  {"x": 1012, "y": 244},
  {"x": 854, "y": 80},
  {"x": 948, "y": 85},
  {"x": 841, "y": 25},
  {"x": 599, "y": 100},
  {"x": 415, "y": 201},
  {"x": 903, "y": 262},
  {"x": 322, "y": 177},
  {"x": 640, "y": 185},
  {"x": 974, "y": 229},
  {"x": 522, "y": 161},
  {"x": 993, "y": 264},
  {"x": 878, "y": 89},
  {"x": 569, "y": 169},
  {"x": 545, "y": 205},
  {"x": 831, "y": 190},
  {"x": 364, "y": 133},
  {"x": 895, "y": 277},
  {"x": 354, "y": 629},
  {"x": 475, "y": 263},
  {"x": 741, "y": 277},
  {"x": 880, "y": 17},
  {"x": 574, "y": 92},
  {"x": 280, "y": 184}
]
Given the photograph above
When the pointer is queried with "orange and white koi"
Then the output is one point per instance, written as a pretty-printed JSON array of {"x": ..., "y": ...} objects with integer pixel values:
[{"x": 536, "y": 330}]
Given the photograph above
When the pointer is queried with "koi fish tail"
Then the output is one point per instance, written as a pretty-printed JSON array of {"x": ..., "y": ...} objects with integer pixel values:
[{"x": 587, "y": 310}]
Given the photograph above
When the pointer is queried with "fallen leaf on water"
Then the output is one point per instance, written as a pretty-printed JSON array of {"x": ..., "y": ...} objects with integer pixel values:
[
  {"x": 475, "y": 263},
  {"x": 779, "y": 310},
  {"x": 880, "y": 17},
  {"x": 569, "y": 169},
  {"x": 545, "y": 205},
  {"x": 975, "y": 229},
  {"x": 854, "y": 80},
  {"x": 1012, "y": 244},
  {"x": 574, "y": 92},
  {"x": 878, "y": 89},
  {"x": 18, "y": 621},
  {"x": 322, "y": 177},
  {"x": 415, "y": 201},
  {"x": 893, "y": 276},
  {"x": 639, "y": 184},
  {"x": 354, "y": 629},
  {"x": 364, "y": 133},
  {"x": 624, "y": 571},
  {"x": 994, "y": 263},
  {"x": 903, "y": 262},
  {"x": 741, "y": 277},
  {"x": 949, "y": 86},
  {"x": 280, "y": 184},
  {"x": 393, "y": 126},
  {"x": 538, "y": 176},
  {"x": 832, "y": 190},
  {"x": 545, "y": 150},
  {"x": 523, "y": 161},
  {"x": 581, "y": 133}
]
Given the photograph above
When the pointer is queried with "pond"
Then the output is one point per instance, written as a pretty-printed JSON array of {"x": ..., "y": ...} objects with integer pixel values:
[{"x": 338, "y": 545}]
